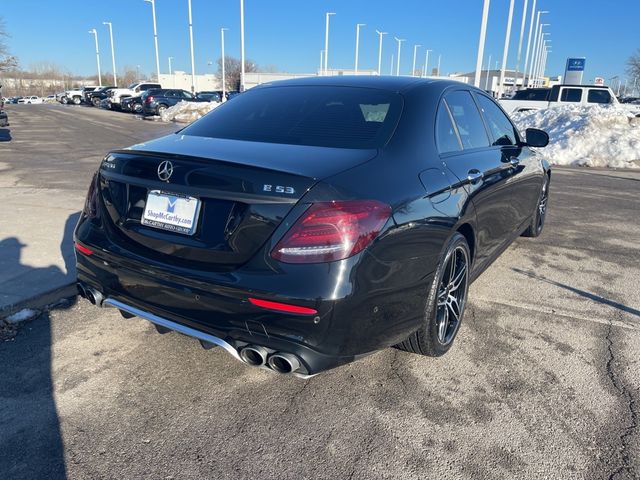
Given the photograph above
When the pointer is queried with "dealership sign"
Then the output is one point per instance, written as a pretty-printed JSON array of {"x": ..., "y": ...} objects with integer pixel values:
[{"x": 574, "y": 70}]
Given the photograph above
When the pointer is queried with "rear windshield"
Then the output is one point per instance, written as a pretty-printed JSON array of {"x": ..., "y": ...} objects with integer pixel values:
[{"x": 341, "y": 117}]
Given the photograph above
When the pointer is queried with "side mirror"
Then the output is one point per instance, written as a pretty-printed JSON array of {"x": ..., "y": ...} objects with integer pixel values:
[{"x": 536, "y": 137}]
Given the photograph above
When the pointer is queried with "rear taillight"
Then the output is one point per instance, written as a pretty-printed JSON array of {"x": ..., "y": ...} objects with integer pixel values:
[
  {"x": 91, "y": 203},
  {"x": 332, "y": 231},
  {"x": 148, "y": 99}
]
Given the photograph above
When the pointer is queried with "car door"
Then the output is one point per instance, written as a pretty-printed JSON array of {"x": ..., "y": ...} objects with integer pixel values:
[
  {"x": 526, "y": 175},
  {"x": 484, "y": 173}
]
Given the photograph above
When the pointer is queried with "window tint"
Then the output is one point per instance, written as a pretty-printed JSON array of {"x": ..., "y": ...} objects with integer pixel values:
[
  {"x": 500, "y": 126},
  {"x": 538, "y": 94},
  {"x": 468, "y": 120},
  {"x": 342, "y": 117},
  {"x": 185, "y": 94},
  {"x": 599, "y": 96},
  {"x": 571, "y": 95},
  {"x": 446, "y": 136}
]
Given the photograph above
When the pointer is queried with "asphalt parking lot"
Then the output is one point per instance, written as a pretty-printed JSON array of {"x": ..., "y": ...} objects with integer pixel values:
[{"x": 542, "y": 382}]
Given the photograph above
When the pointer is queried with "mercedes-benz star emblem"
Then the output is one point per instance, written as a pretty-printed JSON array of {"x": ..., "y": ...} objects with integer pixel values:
[{"x": 165, "y": 170}]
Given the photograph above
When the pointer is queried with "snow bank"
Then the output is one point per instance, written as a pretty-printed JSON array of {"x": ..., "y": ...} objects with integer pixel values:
[
  {"x": 187, "y": 112},
  {"x": 22, "y": 315},
  {"x": 596, "y": 136}
]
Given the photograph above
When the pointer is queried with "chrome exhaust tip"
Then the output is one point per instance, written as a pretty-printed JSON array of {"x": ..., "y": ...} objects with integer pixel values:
[
  {"x": 254, "y": 355},
  {"x": 284, "y": 363},
  {"x": 94, "y": 296}
]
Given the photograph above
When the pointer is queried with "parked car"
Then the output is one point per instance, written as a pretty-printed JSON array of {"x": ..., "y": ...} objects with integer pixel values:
[
  {"x": 209, "y": 96},
  {"x": 231, "y": 95},
  {"x": 156, "y": 101},
  {"x": 313, "y": 221},
  {"x": 30, "y": 99},
  {"x": 538, "y": 99},
  {"x": 14, "y": 100},
  {"x": 76, "y": 96},
  {"x": 131, "y": 104},
  {"x": 96, "y": 96},
  {"x": 135, "y": 89}
]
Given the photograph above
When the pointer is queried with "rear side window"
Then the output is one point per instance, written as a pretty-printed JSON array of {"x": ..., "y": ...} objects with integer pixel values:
[
  {"x": 446, "y": 136},
  {"x": 571, "y": 95},
  {"x": 599, "y": 96},
  {"x": 537, "y": 94},
  {"x": 467, "y": 119},
  {"x": 499, "y": 125},
  {"x": 325, "y": 116}
]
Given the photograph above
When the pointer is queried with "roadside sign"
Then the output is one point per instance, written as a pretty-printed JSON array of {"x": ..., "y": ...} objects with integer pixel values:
[
  {"x": 599, "y": 81},
  {"x": 574, "y": 70}
]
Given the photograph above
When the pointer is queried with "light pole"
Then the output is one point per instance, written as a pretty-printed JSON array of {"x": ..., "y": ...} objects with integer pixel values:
[
  {"x": 524, "y": 21},
  {"x": 426, "y": 63},
  {"x": 321, "y": 62},
  {"x": 358, "y": 25},
  {"x": 505, "y": 52},
  {"x": 391, "y": 69},
  {"x": 543, "y": 58},
  {"x": 138, "y": 72},
  {"x": 242, "y": 45},
  {"x": 155, "y": 35},
  {"x": 413, "y": 68},
  {"x": 95, "y": 34},
  {"x": 222, "y": 66},
  {"x": 526, "y": 57},
  {"x": 170, "y": 70},
  {"x": 486, "y": 81},
  {"x": 483, "y": 34},
  {"x": 439, "y": 58},
  {"x": 535, "y": 44},
  {"x": 399, "y": 40},
  {"x": 538, "y": 56},
  {"x": 113, "y": 54},
  {"x": 380, "y": 34},
  {"x": 326, "y": 41},
  {"x": 193, "y": 64}
]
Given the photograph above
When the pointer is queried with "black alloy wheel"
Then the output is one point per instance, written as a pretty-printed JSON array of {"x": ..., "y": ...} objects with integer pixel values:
[
  {"x": 537, "y": 220},
  {"x": 446, "y": 302}
]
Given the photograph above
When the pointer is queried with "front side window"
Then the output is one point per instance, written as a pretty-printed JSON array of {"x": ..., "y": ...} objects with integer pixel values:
[
  {"x": 599, "y": 96},
  {"x": 446, "y": 136},
  {"x": 500, "y": 126},
  {"x": 571, "y": 95},
  {"x": 467, "y": 118},
  {"x": 185, "y": 94},
  {"x": 324, "y": 116}
]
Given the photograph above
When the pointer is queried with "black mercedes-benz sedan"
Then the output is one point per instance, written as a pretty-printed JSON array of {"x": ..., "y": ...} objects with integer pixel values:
[{"x": 311, "y": 222}]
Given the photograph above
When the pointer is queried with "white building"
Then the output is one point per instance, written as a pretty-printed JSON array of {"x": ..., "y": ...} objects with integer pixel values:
[{"x": 182, "y": 80}]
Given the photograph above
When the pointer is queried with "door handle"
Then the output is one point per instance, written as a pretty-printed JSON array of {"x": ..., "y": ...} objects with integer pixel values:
[
  {"x": 514, "y": 162},
  {"x": 474, "y": 176}
]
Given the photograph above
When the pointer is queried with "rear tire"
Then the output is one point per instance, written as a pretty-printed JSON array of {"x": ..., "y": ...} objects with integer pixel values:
[
  {"x": 537, "y": 220},
  {"x": 96, "y": 102},
  {"x": 160, "y": 109},
  {"x": 446, "y": 302}
]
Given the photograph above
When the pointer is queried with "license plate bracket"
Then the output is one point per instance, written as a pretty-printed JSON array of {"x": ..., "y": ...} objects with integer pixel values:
[{"x": 170, "y": 211}]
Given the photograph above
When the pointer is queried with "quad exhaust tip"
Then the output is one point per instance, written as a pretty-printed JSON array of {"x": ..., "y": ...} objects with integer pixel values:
[
  {"x": 91, "y": 294},
  {"x": 284, "y": 363}
]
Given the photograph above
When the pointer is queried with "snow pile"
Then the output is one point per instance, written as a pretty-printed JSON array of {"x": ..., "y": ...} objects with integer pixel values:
[
  {"x": 187, "y": 112},
  {"x": 23, "y": 315},
  {"x": 595, "y": 136}
]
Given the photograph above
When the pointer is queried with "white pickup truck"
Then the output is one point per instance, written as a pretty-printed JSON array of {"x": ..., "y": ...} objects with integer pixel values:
[
  {"x": 76, "y": 95},
  {"x": 540, "y": 98},
  {"x": 134, "y": 90}
]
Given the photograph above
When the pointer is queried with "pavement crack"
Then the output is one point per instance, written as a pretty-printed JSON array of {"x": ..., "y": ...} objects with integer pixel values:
[
  {"x": 394, "y": 370},
  {"x": 292, "y": 399},
  {"x": 630, "y": 404}
]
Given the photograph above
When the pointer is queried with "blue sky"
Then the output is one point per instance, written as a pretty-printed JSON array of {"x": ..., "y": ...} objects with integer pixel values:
[{"x": 289, "y": 34}]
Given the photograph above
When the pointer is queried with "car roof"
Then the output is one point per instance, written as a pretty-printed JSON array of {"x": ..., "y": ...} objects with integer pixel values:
[{"x": 391, "y": 83}]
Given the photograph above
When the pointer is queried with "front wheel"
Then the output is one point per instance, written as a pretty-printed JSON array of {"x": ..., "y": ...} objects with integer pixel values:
[
  {"x": 76, "y": 100},
  {"x": 96, "y": 102},
  {"x": 537, "y": 220},
  {"x": 446, "y": 301},
  {"x": 161, "y": 108}
]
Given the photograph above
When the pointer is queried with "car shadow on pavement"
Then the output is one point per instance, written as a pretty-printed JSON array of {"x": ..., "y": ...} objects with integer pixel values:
[
  {"x": 5, "y": 135},
  {"x": 582, "y": 293}
]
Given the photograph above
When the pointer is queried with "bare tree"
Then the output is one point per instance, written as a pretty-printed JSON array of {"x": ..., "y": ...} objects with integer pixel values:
[
  {"x": 633, "y": 65},
  {"x": 7, "y": 61},
  {"x": 232, "y": 71}
]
